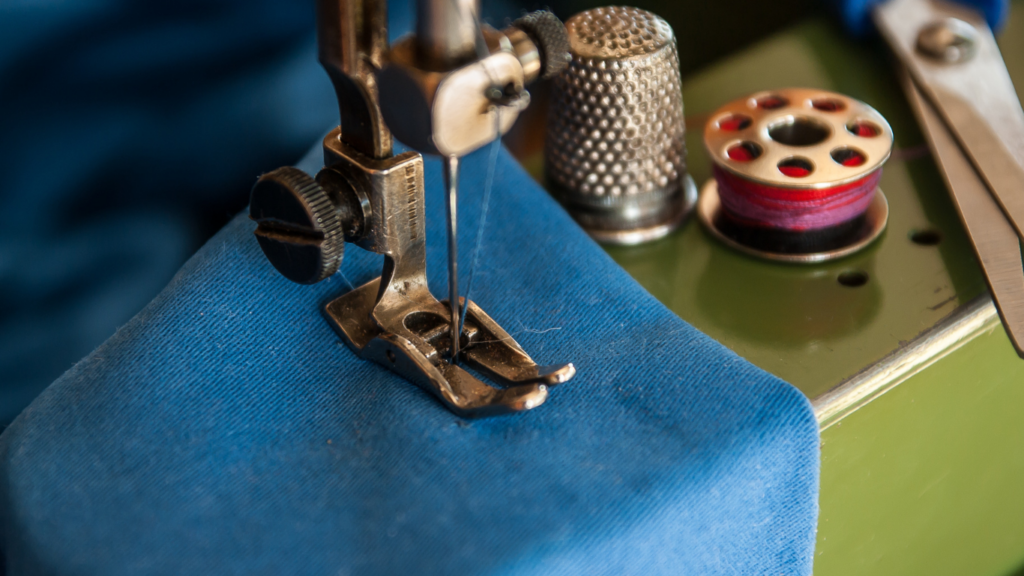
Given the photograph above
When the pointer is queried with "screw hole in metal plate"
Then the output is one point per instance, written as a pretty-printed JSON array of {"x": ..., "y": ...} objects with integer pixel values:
[
  {"x": 853, "y": 278},
  {"x": 926, "y": 237}
]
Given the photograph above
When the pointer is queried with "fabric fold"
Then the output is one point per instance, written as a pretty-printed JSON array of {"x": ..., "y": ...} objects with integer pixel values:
[{"x": 226, "y": 429}]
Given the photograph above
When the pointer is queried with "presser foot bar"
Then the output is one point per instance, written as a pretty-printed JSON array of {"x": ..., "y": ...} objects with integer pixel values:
[{"x": 412, "y": 344}]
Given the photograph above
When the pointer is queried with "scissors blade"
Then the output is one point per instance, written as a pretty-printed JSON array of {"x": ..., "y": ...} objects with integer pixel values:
[
  {"x": 995, "y": 241},
  {"x": 974, "y": 96}
]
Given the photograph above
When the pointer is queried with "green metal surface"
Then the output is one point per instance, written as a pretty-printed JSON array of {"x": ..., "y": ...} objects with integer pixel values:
[
  {"x": 799, "y": 322},
  {"x": 929, "y": 478}
]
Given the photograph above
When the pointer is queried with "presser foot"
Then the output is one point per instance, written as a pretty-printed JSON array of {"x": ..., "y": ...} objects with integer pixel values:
[{"x": 411, "y": 342}]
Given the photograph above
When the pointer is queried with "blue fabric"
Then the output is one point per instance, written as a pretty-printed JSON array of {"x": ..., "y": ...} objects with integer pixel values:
[
  {"x": 131, "y": 131},
  {"x": 226, "y": 429},
  {"x": 856, "y": 14}
]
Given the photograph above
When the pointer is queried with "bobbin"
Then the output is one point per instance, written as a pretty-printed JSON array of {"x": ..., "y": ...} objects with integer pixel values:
[{"x": 798, "y": 142}]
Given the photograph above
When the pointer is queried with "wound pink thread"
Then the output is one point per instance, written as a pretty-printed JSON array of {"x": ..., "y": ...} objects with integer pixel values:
[{"x": 798, "y": 210}]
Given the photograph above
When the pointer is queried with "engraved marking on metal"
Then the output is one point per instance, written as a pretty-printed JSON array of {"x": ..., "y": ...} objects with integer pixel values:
[{"x": 410, "y": 191}]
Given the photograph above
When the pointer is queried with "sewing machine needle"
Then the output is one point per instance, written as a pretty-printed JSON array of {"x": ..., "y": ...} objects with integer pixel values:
[{"x": 451, "y": 179}]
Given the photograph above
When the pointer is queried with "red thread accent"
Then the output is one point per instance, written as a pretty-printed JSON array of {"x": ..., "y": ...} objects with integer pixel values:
[
  {"x": 794, "y": 171},
  {"x": 772, "y": 102},
  {"x": 794, "y": 209},
  {"x": 740, "y": 154},
  {"x": 865, "y": 130},
  {"x": 734, "y": 122}
]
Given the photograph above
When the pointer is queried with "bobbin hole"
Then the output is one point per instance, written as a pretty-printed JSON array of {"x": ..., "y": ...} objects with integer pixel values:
[
  {"x": 734, "y": 122},
  {"x": 744, "y": 151},
  {"x": 828, "y": 104},
  {"x": 853, "y": 278},
  {"x": 798, "y": 132},
  {"x": 926, "y": 237},
  {"x": 849, "y": 157},
  {"x": 772, "y": 102},
  {"x": 863, "y": 128},
  {"x": 796, "y": 167}
]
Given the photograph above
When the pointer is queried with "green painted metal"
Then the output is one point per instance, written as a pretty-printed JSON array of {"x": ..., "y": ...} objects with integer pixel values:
[{"x": 929, "y": 477}]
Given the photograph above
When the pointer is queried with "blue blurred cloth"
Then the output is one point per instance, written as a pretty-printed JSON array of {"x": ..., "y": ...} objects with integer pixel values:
[
  {"x": 129, "y": 131},
  {"x": 856, "y": 14},
  {"x": 226, "y": 429}
]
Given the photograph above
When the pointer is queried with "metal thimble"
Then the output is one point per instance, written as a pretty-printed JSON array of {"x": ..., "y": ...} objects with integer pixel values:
[{"x": 615, "y": 154}]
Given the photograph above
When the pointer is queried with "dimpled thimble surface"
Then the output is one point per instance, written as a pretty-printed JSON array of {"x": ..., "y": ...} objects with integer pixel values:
[{"x": 615, "y": 154}]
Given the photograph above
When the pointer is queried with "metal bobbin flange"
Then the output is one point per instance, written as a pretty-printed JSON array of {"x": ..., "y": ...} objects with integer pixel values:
[{"x": 796, "y": 139}]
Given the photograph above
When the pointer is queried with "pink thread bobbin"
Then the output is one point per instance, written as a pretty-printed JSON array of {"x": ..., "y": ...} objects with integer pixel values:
[{"x": 796, "y": 175}]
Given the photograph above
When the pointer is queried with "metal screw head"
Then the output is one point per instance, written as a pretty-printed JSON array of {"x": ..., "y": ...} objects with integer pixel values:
[
  {"x": 298, "y": 226},
  {"x": 948, "y": 40}
]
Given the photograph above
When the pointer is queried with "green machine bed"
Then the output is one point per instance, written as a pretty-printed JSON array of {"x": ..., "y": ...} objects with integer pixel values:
[{"x": 918, "y": 391}]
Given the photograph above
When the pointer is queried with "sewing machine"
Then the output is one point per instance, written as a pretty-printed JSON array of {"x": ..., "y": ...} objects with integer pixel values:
[{"x": 899, "y": 348}]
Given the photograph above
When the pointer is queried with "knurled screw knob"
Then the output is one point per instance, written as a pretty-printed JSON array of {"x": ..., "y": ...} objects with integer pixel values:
[
  {"x": 298, "y": 226},
  {"x": 548, "y": 33}
]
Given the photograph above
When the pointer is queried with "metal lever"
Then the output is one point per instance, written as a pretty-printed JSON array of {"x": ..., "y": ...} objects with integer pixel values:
[{"x": 370, "y": 197}]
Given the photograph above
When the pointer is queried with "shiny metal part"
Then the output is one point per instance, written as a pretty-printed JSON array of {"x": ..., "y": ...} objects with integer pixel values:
[
  {"x": 965, "y": 100},
  {"x": 395, "y": 321},
  {"x": 352, "y": 38},
  {"x": 451, "y": 200},
  {"x": 798, "y": 123},
  {"x": 449, "y": 111},
  {"x": 447, "y": 32},
  {"x": 615, "y": 154},
  {"x": 976, "y": 98},
  {"x": 678, "y": 212},
  {"x": 995, "y": 241},
  {"x": 957, "y": 330},
  {"x": 526, "y": 52},
  {"x": 948, "y": 40},
  {"x": 709, "y": 210},
  {"x": 373, "y": 198}
]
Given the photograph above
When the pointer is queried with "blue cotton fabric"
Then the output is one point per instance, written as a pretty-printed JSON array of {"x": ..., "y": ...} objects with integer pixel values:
[{"x": 226, "y": 429}]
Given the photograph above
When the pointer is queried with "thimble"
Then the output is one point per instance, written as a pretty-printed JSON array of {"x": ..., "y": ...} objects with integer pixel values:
[{"x": 615, "y": 154}]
